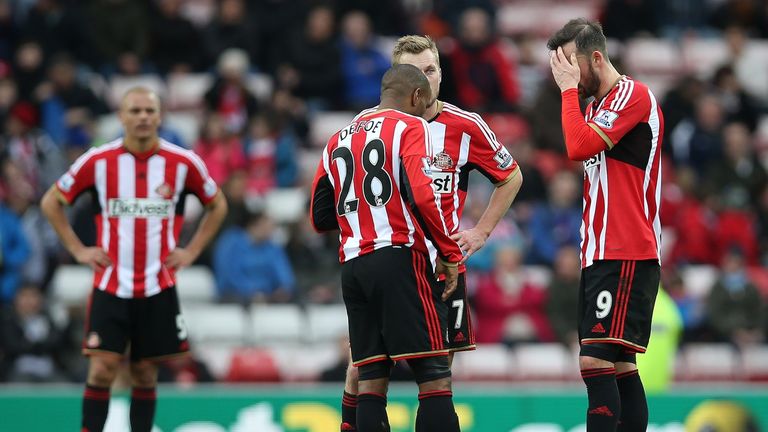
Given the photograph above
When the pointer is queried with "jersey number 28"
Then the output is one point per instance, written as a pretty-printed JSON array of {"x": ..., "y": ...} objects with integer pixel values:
[{"x": 375, "y": 177}]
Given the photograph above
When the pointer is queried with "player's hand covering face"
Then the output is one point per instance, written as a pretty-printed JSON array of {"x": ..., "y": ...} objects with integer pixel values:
[{"x": 565, "y": 70}]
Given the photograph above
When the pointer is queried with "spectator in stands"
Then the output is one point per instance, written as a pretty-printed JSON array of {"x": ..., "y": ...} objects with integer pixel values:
[
  {"x": 175, "y": 41},
  {"x": 509, "y": 307},
  {"x": 529, "y": 70},
  {"x": 485, "y": 79},
  {"x": 556, "y": 222},
  {"x": 275, "y": 21},
  {"x": 450, "y": 11},
  {"x": 42, "y": 241},
  {"x": 563, "y": 295},
  {"x": 535, "y": 189},
  {"x": 761, "y": 205},
  {"x": 250, "y": 266},
  {"x": 734, "y": 305},
  {"x": 66, "y": 105},
  {"x": 739, "y": 176},
  {"x": 271, "y": 154},
  {"x": 314, "y": 260},
  {"x": 230, "y": 29},
  {"x": 59, "y": 26},
  {"x": 185, "y": 371},
  {"x": 229, "y": 96},
  {"x": 32, "y": 341},
  {"x": 691, "y": 308},
  {"x": 119, "y": 35},
  {"x": 624, "y": 19},
  {"x": 14, "y": 251},
  {"x": 750, "y": 15},
  {"x": 737, "y": 105},
  {"x": 8, "y": 96},
  {"x": 544, "y": 119},
  {"x": 220, "y": 149},
  {"x": 30, "y": 148},
  {"x": 748, "y": 62},
  {"x": 28, "y": 69},
  {"x": 9, "y": 33},
  {"x": 695, "y": 222},
  {"x": 362, "y": 63},
  {"x": 697, "y": 142},
  {"x": 310, "y": 68},
  {"x": 680, "y": 103}
]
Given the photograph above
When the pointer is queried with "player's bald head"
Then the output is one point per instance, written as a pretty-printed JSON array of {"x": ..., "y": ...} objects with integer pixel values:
[
  {"x": 144, "y": 91},
  {"x": 401, "y": 80}
]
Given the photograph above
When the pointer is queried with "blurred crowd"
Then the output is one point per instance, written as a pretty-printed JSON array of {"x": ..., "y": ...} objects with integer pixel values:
[{"x": 60, "y": 61}]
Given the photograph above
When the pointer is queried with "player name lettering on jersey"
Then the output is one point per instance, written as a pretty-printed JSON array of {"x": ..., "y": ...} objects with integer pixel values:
[
  {"x": 140, "y": 207},
  {"x": 366, "y": 125}
]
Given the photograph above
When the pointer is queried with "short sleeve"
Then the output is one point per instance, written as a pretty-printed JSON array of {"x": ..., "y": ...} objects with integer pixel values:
[
  {"x": 487, "y": 154},
  {"x": 199, "y": 182},
  {"x": 621, "y": 112},
  {"x": 78, "y": 178}
]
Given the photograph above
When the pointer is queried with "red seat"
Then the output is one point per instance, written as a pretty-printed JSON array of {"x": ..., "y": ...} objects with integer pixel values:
[{"x": 252, "y": 365}]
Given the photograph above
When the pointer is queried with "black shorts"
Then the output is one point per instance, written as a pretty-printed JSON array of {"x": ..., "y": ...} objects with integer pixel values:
[
  {"x": 616, "y": 301},
  {"x": 461, "y": 334},
  {"x": 393, "y": 306},
  {"x": 152, "y": 327}
]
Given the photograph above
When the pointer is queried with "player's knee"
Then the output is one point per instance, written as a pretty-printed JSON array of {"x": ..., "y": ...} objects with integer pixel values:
[
  {"x": 353, "y": 373},
  {"x": 102, "y": 370},
  {"x": 431, "y": 369},
  {"x": 599, "y": 355},
  {"x": 374, "y": 371},
  {"x": 593, "y": 363},
  {"x": 143, "y": 374}
]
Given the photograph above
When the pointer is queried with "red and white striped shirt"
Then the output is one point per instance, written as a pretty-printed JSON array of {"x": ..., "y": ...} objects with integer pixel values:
[
  {"x": 139, "y": 200},
  {"x": 461, "y": 142},
  {"x": 379, "y": 170},
  {"x": 622, "y": 185}
]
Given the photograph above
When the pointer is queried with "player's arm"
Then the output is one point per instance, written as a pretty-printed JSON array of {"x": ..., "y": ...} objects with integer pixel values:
[
  {"x": 491, "y": 158},
  {"x": 201, "y": 185},
  {"x": 582, "y": 140},
  {"x": 322, "y": 212},
  {"x": 421, "y": 194},
  {"x": 52, "y": 205}
]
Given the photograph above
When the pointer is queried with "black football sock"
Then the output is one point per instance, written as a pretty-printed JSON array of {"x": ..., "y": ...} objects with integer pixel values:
[
  {"x": 604, "y": 408},
  {"x": 634, "y": 407},
  {"x": 436, "y": 412},
  {"x": 95, "y": 408},
  {"x": 349, "y": 409},
  {"x": 372, "y": 413},
  {"x": 143, "y": 402}
]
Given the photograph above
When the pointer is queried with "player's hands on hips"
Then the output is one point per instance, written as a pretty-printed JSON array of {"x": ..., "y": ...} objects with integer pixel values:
[
  {"x": 470, "y": 241},
  {"x": 451, "y": 274},
  {"x": 94, "y": 257},
  {"x": 566, "y": 71},
  {"x": 179, "y": 258}
]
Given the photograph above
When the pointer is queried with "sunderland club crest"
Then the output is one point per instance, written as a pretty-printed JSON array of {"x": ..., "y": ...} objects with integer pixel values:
[{"x": 442, "y": 161}]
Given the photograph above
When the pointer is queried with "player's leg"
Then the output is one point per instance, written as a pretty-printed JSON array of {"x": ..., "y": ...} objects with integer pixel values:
[
  {"x": 461, "y": 335},
  {"x": 599, "y": 375},
  {"x": 372, "y": 397},
  {"x": 436, "y": 411},
  {"x": 349, "y": 399},
  {"x": 106, "y": 337},
  {"x": 643, "y": 284},
  {"x": 367, "y": 347},
  {"x": 634, "y": 407},
  {"x": 158, "y": 332}
]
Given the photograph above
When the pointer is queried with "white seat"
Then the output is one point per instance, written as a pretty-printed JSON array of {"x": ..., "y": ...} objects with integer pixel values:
[
  {"x": 302, "y": 362},
  {"x": 652, "y": 55},
  {"x": 538, "y": 275},
  {"x": 544, "y": 361},
  {"x": 120, "y": 84},
  {"x": 489, "y": 362},
  {"x": 216, "y": 356},
  {"x": 287, "y": 205},
  {"x": 324, "y": 124},
  {"x": 196, "y": 284},
  {"x": 754, "y": 360},
  {"x": 72, "y": 284},
  {"x": 186, "y": 124},
  {"x": 221, "y": 323},
  {"x": 703, "y": 55},
  {"x": 710, "y": 361},
  {"x": 260, "y": 85},
  {"x": 698, "y": 280},
  {"x": 283, "y": 323},
  {"x": 326, "y": 322},
  {"x": 186, "y": 91},
  {"x": 108, "y": 127}
]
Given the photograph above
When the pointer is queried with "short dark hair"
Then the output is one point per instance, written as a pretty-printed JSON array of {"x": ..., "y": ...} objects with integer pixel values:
[
  {"x": 587, "y": 34},
  {"x": 402, "y": 79}
]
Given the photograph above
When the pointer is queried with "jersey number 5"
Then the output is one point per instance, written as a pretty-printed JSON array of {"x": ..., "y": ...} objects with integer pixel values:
[{"x": 375, "y": 177}]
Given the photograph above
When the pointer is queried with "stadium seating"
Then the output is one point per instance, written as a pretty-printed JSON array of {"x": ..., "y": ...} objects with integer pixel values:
[
  {"x": 287, "y": 205},
  {"x": 196, "y": 285},
  {"x": 708, "y": 362},
  {"x": 490, "y": 362},
  {"x": 118, "y": 85},
  {"x": 324, "y": 124},
  {"x": 281, "y": 323},
  {"x": 186, "y": 91},
  {"x": 545, "y": 361},
  {"x": 755, "y": 362},
  {"x": 220, "y": 323},
  {"x": 71, "y": 284},
  {"x": 326, "y": 322},
  {"x": 253, "y": 365},
  {"x": 699, "y": 279}
]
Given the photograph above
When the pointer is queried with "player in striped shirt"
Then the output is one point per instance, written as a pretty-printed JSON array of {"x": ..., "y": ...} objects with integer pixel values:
[
  {"x": 461, "y": 142},
  {"x": 619, "y": 142},
  {"x": 374, "y": 183},
  {"x": 138, "y": 185}
]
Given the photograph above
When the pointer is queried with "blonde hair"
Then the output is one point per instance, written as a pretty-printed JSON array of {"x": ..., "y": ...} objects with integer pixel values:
[{"x": 414, "y": 44}]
